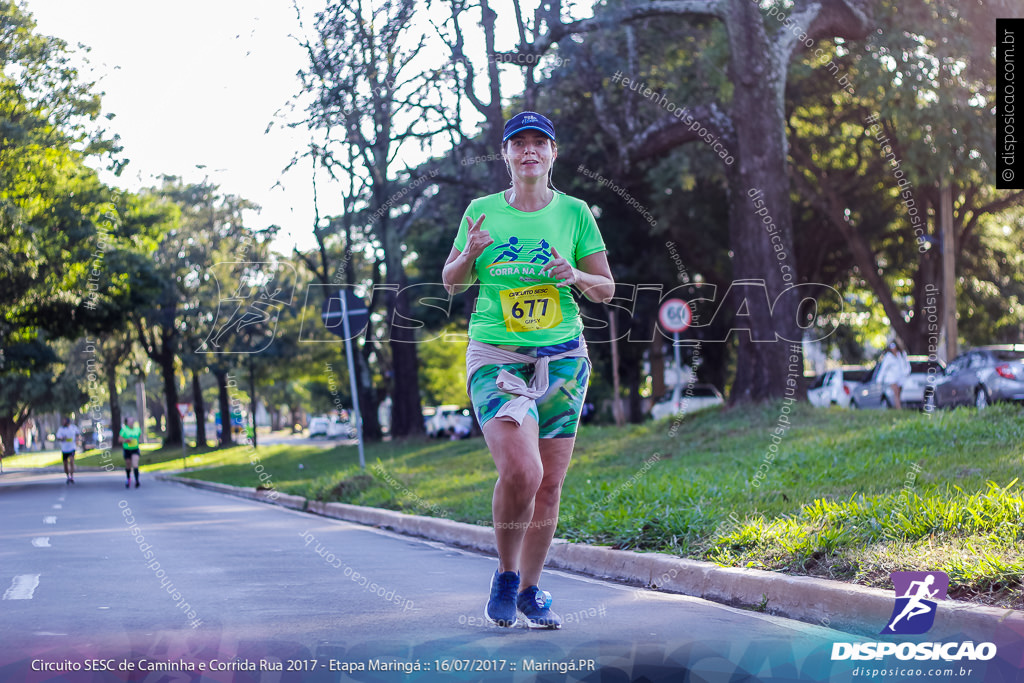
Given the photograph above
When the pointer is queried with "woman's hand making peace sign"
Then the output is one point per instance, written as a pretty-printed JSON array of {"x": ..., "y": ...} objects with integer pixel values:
[{"x": 477, "y": 239}]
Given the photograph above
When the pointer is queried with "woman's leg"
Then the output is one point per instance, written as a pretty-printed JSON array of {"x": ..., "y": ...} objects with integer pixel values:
[
  {"x": 517, "y": 457},
  {"x": 559, "y": 413},
  {"x": 555, "y": 455}
]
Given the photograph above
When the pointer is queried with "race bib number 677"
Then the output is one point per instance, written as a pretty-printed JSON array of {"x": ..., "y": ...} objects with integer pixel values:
[{"x": 531, "y": 308}]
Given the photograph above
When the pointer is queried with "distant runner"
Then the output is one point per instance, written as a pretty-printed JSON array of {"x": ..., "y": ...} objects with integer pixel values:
[
  {"x": 130, "y": 434},
  {"x": 527, "y": 363},
  {"x": 68, "y": 435}
]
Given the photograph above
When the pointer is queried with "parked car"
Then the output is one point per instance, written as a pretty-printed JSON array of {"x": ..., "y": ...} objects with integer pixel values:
[
  {"x": 981, "y": 376},
  {"x": 835, "y": 387},
  {"x": 686, "y": 400},
  {"x": 331, "y": 427},
  {"x": 873, "y": 394},
  {"x": 441, "y": 421},
  {"x": 94, "y": 438},
  {"x": 923, "y": 375}
]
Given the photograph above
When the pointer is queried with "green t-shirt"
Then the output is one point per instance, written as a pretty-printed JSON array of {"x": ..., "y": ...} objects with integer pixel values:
[
  {"x": 130, "y": 436},
  {"x": 517, "y": 305}
]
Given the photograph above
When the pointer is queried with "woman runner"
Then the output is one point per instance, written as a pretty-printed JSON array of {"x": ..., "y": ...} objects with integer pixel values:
[{"x": 527, "y": 363}]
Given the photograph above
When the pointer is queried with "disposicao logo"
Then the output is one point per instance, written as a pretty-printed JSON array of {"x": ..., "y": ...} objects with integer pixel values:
[{"x": 917, "y": 594}]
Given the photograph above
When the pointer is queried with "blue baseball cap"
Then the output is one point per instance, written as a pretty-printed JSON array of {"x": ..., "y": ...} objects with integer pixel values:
[{"x": 528, "y": 120}]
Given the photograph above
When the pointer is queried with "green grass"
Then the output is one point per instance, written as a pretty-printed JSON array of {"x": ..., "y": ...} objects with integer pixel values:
[
  {"x": 849, "y": 495},
  {"x": 90, "y": 458}
]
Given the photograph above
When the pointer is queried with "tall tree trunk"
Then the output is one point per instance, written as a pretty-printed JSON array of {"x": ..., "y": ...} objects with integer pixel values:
[
  {"x": 406, "y": 411},
  {"x": 115, "y": 405},
  {"x": 173, "y": 436},
  {"x": 140, "y": 409},
  {"x": 226, "y": 438},
  {"x": 758, "y": 115},
  {"x": 200, "y": 410},
  {"x": 8, "y": 431},
  {"x": 368, "y": 400},
  {"x": 657, "y": 356}
]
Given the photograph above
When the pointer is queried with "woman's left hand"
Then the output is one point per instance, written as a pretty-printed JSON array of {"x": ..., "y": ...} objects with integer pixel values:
[{"x": 559, "y": 269}]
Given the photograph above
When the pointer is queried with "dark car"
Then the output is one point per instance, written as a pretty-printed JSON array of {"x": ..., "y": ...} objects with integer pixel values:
[{"x": 979, "y": 377}]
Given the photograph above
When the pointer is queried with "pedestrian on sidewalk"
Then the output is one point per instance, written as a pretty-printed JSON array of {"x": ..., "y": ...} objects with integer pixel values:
[
  {"x": 894, "y": 371},
  {"x": 130, "y": 434},
  {"x": 527, "y": 363},
  {"x": 68, "y": 436}
]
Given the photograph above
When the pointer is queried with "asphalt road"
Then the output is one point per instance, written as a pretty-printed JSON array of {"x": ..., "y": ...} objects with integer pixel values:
[{"x": 166, "y": 576}]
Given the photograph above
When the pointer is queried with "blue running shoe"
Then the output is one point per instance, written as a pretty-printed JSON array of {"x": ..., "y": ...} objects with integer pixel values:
[
  {"x": 535, "y": 606},
  {"x": 501, "y": 607}
]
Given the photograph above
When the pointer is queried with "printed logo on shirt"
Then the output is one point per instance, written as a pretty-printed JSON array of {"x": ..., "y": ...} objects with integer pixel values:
[{"x": 516, "y": 252}]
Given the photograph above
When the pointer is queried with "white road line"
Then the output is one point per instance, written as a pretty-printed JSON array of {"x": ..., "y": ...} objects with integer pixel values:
[
  {"x": 41, "y": 542},
  {"x": 22, "y": 587},
  {"x": 58, "y": 506},
  {"x": 50, "y": 519}
]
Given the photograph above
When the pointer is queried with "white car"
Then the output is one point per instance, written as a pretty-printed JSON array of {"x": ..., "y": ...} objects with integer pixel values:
[
  {"x": 331, "y": 428},
  {"x": 835, "y": 387},
  {"x": 687, "y": 399},
  {"x": 443, "y": 420}
]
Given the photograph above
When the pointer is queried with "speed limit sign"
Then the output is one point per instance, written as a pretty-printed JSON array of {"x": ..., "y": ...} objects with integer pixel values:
[{"x": 675, "y": 315}]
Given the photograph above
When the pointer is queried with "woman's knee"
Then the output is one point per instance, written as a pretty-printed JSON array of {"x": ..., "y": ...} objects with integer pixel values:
[
  {"x": 549, "y": 492},
  {"x": 522, "y": 477}
]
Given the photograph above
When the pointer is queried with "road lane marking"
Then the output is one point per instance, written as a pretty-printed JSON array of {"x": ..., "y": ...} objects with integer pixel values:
[
  {"x": 41, "y": 542},
  {"x": 58, "y": 506},
  {"x": 50, "y": 519},
  {"x": 22, "y": 587}
]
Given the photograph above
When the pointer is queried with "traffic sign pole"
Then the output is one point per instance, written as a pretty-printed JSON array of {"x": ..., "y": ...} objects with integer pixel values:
[
  {"x": 679, "y": 362},
  {"x": 352, "y": 379},
  {"x": 675, "y": 316}
]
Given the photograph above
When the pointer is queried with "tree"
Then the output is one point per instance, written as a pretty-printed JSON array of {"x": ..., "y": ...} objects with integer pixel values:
[
  {"x": 871, "y": 166},
  {"x": 206, "y": 223},
  {"x": 371, "y": 101},
  {"x": 52, "y": 208}
]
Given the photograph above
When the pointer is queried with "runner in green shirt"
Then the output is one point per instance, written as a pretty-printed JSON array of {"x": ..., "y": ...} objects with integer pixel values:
[
  {"x": 130, "y": 434},
  {"x": 528, "y": 246}
]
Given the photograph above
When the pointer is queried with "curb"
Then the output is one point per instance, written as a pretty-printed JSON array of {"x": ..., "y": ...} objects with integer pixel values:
[{"x": 834, "y": 604}]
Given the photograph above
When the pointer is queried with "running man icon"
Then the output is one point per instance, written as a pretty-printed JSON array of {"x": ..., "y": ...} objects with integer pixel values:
[{"x": 918, "y": 599}]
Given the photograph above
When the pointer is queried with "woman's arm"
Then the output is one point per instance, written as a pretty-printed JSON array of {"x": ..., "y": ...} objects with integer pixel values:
[
  {"x": 458, "y": 273},
  {"x": 592, "y": 275}
]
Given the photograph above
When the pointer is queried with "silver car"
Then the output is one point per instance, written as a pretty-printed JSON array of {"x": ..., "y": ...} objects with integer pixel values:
[
  {"x": 981, "y": 376},
  {"x": 874, "y": 394}
]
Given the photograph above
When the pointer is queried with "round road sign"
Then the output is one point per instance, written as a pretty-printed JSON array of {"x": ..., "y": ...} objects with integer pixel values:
[{"x": 675, "y": 315}]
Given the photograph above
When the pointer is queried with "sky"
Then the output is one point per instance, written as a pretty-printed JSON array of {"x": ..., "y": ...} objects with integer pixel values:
[{"x": 197, "y": 83}]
